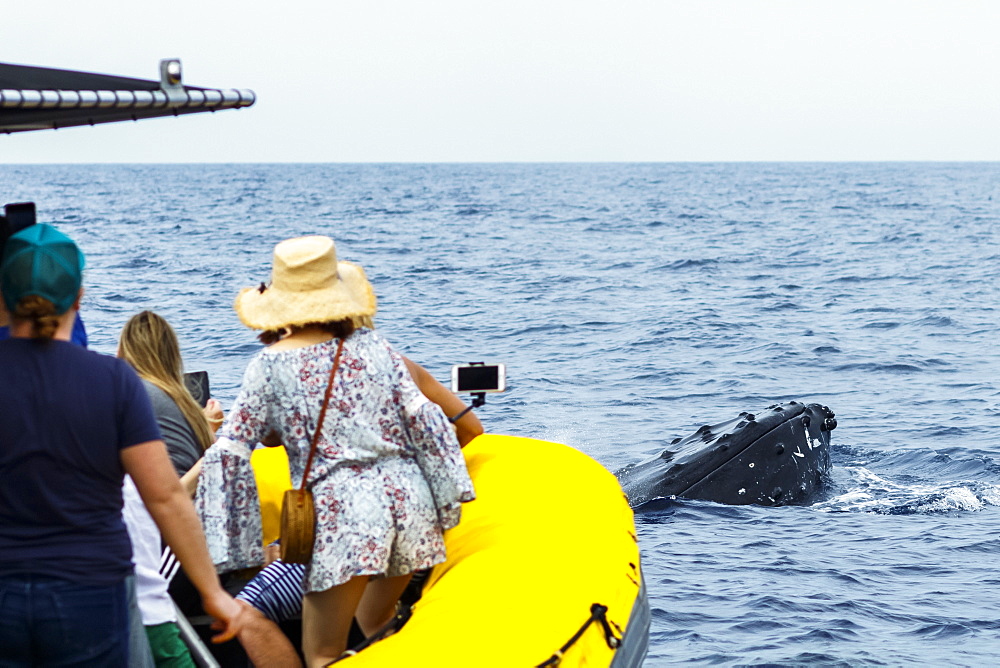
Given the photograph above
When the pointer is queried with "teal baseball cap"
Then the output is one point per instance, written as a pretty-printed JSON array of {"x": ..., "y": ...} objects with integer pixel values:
[{"x": 40, "y": 260}]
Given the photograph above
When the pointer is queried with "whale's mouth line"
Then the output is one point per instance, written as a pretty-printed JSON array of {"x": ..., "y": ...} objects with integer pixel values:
[{"x": 737, "y": 453}]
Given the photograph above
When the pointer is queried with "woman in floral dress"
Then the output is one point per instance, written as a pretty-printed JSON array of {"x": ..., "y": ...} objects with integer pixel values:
[{"x": 388, "y": 476}]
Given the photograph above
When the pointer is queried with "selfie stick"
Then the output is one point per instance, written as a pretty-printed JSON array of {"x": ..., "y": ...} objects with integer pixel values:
[{"x": 478, "y": 399}]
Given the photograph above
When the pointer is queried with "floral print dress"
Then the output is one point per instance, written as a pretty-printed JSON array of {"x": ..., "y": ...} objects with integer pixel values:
[{"x": 388, "y": 476}]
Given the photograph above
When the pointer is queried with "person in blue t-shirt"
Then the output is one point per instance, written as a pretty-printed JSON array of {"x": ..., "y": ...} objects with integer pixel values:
[
  {"x": 78, "y": 336},
  {"x": 72, "y": 424}
]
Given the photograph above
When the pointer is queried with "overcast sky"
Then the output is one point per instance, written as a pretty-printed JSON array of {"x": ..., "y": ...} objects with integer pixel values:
[{"x": 532, "y": 80}]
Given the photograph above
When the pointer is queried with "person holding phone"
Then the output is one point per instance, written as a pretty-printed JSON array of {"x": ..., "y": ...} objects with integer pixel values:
[
  {"x": 150, "y": 345},
  {"x": 275, "y": 594},
  {"x": 388, "y": 476},
  {"x": 74, "y": 423}
]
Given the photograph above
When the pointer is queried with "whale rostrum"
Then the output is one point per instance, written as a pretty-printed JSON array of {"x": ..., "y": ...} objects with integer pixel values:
[{"x": 775, "y": 457}]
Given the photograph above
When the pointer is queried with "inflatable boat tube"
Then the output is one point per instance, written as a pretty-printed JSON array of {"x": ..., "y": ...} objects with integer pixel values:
[{"x": 543, "y": 570}]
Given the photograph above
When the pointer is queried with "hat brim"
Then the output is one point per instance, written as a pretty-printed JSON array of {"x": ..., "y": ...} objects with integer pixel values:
[{"x": 350, "y": 297}]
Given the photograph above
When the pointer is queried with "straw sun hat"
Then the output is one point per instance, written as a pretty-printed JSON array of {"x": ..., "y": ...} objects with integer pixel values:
[{"x": 308, "y": 284}]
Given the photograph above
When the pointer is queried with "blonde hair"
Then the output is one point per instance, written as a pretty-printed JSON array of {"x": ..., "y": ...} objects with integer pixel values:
[
  {"x": 42, "y": 314},
  {"x": 149, "y": 344}
]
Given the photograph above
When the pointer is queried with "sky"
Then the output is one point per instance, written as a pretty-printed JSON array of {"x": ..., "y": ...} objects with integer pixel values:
[{"x": 531, "y": 80}]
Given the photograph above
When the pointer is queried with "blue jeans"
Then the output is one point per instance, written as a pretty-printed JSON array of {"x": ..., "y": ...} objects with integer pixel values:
[{"x": 46, "y": 621}]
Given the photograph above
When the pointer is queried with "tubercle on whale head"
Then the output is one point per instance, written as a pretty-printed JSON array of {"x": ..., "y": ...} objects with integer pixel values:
[
  {"x": 829, "y": 423},
  {"x": 778, "y": 460}
]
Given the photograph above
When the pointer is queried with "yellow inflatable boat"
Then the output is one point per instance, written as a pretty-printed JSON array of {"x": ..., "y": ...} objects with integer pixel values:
[{"x": 543, "y": 570}]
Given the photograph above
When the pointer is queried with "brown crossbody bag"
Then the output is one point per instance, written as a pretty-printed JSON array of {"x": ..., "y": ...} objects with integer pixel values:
[{"x": 298, "y": 515}]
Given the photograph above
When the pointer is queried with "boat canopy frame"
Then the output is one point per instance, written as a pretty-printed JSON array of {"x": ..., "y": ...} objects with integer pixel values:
[{"x": 39, "y": 98}]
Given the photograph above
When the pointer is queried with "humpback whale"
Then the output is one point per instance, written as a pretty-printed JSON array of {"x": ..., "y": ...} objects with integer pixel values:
[{"x": 772, "y": 458}]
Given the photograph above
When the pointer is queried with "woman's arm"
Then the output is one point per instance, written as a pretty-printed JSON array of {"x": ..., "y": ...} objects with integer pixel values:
[
  {"x": 466, "y": 428},
  {"x": 189, "y": 481},
  {"x": 172, "y": 510}
]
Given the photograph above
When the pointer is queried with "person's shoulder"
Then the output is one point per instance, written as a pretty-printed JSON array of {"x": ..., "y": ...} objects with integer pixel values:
[
  {"x": 372, "y": 343},
  {"x": 80, "y": 355},
  {"x": 121, "y": 368},
  {"x": 375, "y": 349},
  {"x": 96, "y": 364},
  {"x": 369, "y": 337},
  {"x": 96, "y": 357},
  {"x": 262, "y": 357},
  {"x": 156, "y": 394},
  {"x": 260, "y": 365}
]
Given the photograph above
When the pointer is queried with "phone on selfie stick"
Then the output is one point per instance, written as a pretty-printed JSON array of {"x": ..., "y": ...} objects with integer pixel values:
[{"x": 477, "y": 378}]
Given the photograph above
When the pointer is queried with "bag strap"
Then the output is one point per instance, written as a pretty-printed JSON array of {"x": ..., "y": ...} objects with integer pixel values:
[{"x": 322, "y": 412}]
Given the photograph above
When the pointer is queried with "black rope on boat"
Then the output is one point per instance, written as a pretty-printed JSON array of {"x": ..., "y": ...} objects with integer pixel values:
[
  {"x": 402, "y": 615},
  {"x": 598, "y": 613},
  {"x": 404, "y": 611}
]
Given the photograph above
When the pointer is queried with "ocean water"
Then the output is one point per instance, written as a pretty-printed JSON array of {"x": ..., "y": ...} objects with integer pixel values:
[{"x": 633, "y": 303}]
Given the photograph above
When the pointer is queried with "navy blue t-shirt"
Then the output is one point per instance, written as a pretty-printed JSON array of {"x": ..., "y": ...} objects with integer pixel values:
[
  {"x": 78, "y": 337},
  {"x": 65, "y": 413}
]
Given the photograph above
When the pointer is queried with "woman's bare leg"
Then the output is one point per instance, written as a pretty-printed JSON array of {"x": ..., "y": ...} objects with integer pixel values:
[
  {"x": 326, "y": 620},
  {"x": 378, "y": 604}
]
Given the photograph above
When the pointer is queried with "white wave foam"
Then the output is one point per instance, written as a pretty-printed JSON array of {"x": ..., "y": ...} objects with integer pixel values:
[{"x": 872, "y": 493}]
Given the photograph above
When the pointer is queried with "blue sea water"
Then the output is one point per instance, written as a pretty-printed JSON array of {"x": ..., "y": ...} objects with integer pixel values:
[{"x": 633, "y": 303}]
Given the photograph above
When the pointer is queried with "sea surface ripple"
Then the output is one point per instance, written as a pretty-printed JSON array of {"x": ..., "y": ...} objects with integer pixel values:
[{"x": 633, "y": 303}]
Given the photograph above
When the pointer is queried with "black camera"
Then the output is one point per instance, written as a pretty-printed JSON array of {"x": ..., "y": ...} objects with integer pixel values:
[{"x": 15, "y": 218}]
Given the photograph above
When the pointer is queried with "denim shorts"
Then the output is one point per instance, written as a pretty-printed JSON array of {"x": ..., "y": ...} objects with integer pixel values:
[{"x": 47, "y": 621}]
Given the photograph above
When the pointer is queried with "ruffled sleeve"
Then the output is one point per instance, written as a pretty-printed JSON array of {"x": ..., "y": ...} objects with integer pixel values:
[
  {"x": 432, "y": 441},
  {"x": 439, "y": 457},
  {"x": 227, "y": 501},
  {"x": 229, "y": 507}
]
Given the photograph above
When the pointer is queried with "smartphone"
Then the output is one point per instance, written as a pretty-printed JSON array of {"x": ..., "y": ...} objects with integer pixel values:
[
  {"x": 197, "y": 384},
  {"x": 15, "y": 218},
  {"x": 478, "y": 378}
]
